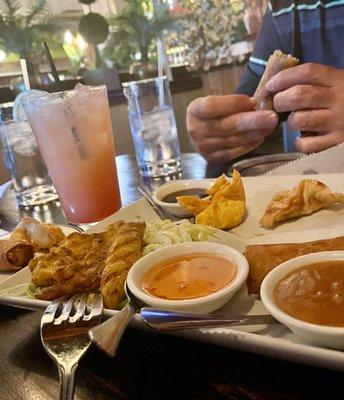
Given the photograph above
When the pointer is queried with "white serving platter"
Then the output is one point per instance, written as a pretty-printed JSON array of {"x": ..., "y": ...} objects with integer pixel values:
[{"x": 270, "y": 340}]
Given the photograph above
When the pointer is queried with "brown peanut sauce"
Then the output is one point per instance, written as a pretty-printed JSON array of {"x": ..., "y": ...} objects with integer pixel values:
[
  {"x": 189, "y": 276},
  {"x": 314, "y": 293}
]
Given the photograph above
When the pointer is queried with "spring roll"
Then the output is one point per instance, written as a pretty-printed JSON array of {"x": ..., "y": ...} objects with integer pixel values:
[
  {"x": 265, "y": 257},
  {"x": 277, "y": 62},
  {"x": 15, "y": 255}
]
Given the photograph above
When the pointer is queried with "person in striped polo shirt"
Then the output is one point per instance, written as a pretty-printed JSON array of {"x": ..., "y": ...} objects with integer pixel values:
[{"x": 224, "y": 128}]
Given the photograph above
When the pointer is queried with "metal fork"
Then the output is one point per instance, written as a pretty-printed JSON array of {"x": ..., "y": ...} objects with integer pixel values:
[
  {"x": 64, "y": 328},
  {"x": 158, "y": 209}
]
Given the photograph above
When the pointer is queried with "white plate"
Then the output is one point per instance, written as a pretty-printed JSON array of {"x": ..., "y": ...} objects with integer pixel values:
[{"x": 270, "y": 340}]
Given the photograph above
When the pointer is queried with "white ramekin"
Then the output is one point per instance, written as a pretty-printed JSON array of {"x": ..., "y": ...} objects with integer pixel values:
[
  {"x": 326, "y": 336},
  {"x": 176, "y": 186},
  {"x": 203, "y": 304}
]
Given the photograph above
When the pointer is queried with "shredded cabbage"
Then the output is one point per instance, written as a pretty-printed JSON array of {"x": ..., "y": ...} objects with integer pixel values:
[
  {"x": 164, "y": 233},
  {"x": 32, "y": 290}
]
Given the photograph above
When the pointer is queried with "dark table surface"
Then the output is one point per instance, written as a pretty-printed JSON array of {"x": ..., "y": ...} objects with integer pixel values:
[{"x": 148, "y": 365}]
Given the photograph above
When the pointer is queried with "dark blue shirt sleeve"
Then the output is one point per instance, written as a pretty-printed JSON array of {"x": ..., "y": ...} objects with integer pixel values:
[{"x": 267, "y": 41}]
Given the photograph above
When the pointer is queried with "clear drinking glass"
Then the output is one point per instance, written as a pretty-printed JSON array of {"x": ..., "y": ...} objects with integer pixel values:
[
  {"x": 74, "y": 133},
  {"x": 153, "y": 127},
  {"x": 31, "y": 180}
]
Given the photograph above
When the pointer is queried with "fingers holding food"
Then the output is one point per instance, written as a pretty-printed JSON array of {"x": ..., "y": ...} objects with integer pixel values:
[
  {"x": 219, "y": 106},
  {"x": 220, "y": 140},
  {"x": 313, "y": 144},
  {"x": 277, "y": 62},
  {"x": 315, "y": 95},
  {"x": 302, "y": 97},
  {"x": 304, "y": 74},
  {"x": 225, "y": 127}
]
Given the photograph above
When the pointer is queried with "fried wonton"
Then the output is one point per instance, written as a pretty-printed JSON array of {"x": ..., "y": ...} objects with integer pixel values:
[
  {"x": 193, "y": 204},
  {"x": 224, "y": 209},
  {"x": 309, "y": 196}
]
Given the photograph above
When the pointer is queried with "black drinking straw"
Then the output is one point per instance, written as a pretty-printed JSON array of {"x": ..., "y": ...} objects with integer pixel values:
[{"x": 52, "y": 66}]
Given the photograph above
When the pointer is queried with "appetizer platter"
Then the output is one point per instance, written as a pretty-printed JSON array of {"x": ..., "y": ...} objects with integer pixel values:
[{"x": 268, "y": 220}]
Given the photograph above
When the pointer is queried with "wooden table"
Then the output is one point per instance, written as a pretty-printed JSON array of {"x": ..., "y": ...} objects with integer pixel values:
[
  {"x": 194, "y": 166},
  {"x": 148, "y": 366}
]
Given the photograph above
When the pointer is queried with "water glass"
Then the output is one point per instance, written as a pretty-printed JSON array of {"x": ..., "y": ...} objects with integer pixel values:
[
  {"x": 153, "y": 127},
  {"x": 24, "y": 162}
]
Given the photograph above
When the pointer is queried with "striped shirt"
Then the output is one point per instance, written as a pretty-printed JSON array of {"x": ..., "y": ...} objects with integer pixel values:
[{"x": 310, "y": 30}]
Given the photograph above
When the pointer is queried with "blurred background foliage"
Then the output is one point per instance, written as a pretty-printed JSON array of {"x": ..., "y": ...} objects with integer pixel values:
[
  {"x": 134, "y": 31},
  {"x": 22, "y": 32},
  {"x": 200, "y": 33}
]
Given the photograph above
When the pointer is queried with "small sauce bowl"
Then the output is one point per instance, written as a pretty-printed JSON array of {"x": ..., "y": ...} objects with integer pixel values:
[
  {"x": 176, "y": 186},
  {"x": 204, "y": 304},
  {"x": 326, "y": 336}
]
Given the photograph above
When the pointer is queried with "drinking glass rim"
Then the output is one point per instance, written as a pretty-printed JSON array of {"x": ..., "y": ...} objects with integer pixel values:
[
  {"x": 57, "y": 95},
  {"x": 143, "y": 81}
]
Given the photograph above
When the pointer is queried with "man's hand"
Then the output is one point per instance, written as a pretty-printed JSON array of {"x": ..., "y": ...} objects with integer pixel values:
[
  {"x": 315, "y": 95},
  {"x": 226, "y": 127}
]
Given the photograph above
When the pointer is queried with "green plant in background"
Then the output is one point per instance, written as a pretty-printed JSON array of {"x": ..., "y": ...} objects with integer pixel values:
[
  {"x": 210, "y": 30},
  {"x": 94, "y": 28},
  {"x": 22, "y": 32},
  {"x": 134, "y": 30}
]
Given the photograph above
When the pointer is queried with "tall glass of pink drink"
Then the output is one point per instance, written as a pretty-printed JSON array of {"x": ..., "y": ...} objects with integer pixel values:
[{"x": 74, "y": 133}]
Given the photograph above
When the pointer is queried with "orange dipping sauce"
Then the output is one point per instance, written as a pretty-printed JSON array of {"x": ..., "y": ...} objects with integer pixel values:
[{"x": 189, "y": 276}]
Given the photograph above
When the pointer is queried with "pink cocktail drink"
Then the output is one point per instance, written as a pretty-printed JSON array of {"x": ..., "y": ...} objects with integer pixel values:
[{"x": 74, "y": 133}]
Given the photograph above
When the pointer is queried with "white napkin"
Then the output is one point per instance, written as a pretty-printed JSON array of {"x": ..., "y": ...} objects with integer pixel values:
[{"x": 326, "y": 162}]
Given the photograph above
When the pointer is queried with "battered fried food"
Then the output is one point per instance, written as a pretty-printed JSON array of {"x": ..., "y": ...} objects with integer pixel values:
[
  {"x": 42, "y": 236},
  {"x": 226, "y": 207},
  {"x": 124, "y": 252},
  {"x": 193, "y": 204},
  {"x": 309, "y": 196},
  {"x": 15, "y": 254},
  {"x": 265, "y": 257},
  {"x": 74, "y": 266},
  {"x": 277, "y": 62}
]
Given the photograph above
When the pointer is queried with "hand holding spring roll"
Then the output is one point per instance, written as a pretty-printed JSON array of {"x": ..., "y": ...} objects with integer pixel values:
[
  {"x": 277, "y": 62},
  {"x": 223, "y": 128},
  {"x": 314, "y": 94}
]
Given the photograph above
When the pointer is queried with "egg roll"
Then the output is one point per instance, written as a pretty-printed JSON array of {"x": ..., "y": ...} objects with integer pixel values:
[
  {"x": 263, "y": 258},
  {"x": 42, "y": 236},
  {"x": 15, "y": 254},
  {"x": 277, "y": 62}
]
